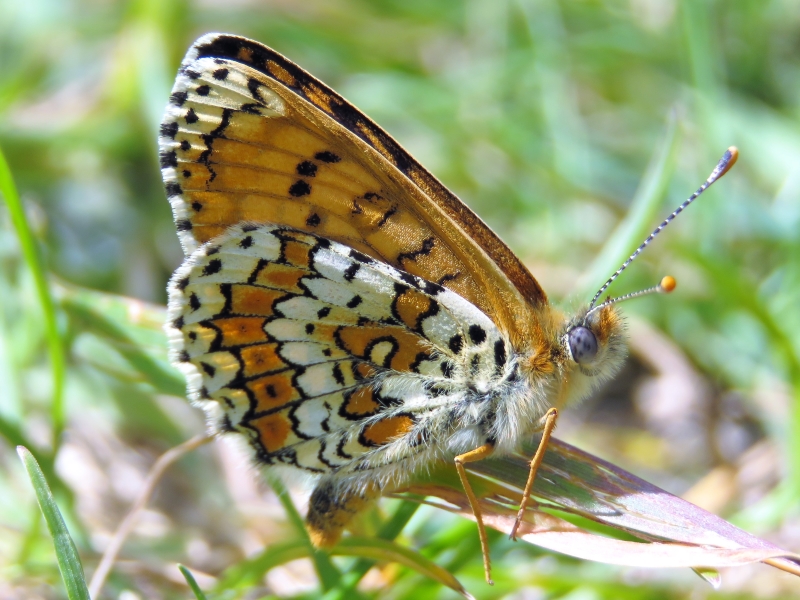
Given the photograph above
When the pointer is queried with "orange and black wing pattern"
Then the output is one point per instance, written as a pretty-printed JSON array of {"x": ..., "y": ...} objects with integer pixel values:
[{"x": 325, "y": 359}]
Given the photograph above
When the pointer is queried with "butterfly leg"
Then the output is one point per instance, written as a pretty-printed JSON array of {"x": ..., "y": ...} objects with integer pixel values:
[
  {"x": 472, "y": 456},
  {"x": 332, "y": 507},
  {"x": 549, "y": 425}
]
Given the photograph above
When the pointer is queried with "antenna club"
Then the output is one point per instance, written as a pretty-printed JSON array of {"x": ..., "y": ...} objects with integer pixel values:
[
  {"x": 727, "y": 161},
  {"x": 667, "y": 284}
]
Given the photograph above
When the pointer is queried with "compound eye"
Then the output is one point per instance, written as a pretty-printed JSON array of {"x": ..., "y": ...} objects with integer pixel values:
[{"x": 582, "y": 344}]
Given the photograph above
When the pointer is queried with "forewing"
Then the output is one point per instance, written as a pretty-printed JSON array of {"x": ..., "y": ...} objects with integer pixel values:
[{"x": 249, "y": 136}]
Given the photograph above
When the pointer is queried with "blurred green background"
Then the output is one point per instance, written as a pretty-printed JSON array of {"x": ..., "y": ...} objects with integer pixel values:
[{"x": 551, "y": 119}]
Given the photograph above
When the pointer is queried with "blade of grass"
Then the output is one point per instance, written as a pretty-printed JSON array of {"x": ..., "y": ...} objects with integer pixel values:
[
  {"x": 247, "y": 573},
  {"x": 30, "y": 251},
  {"x": 388, "y": 531},
  {"x": 69, "y": 563},
  {"x": 710, "y": 576},
  {"x": 327, "y": 572},
  {"x": 15, "y": 436},
  {"x": 376, "y": 549},
  {"x": 198, "y": 593},
  {"x": 641, "y": 217},
  {"x": 94, "y": 312}
]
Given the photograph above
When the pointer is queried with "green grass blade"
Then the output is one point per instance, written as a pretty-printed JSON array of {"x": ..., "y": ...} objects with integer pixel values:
[
  {"x": 198, "y": 593},
  {"x": 108, "y": 317},
  {"x": 69, "y": 563},
  {"x": 642, "y": 216},
  {"x": 31, "y": 253},
  {"x": 327, "y": 572},
  {"x": 247, "y": 573},
  {"x": 16, "y": 436},
  {"x": 388, "y": 532},
  {"x": 383, "y": 550}
]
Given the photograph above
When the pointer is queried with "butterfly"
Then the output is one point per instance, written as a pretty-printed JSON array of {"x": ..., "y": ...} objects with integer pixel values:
[{"x": 341, "y": 310}]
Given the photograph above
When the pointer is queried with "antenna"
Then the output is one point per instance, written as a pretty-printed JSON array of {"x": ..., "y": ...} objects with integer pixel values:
[
  {"x": 723, "y": 166},
  {"x": 665, "y": 286}
]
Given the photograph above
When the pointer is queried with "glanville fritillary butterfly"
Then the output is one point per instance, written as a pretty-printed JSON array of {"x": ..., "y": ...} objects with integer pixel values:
[{"x": 338, "y": 307}]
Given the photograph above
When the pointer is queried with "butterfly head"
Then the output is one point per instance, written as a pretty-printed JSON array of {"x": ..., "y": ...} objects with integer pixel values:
[{"x": 592, "y": 343}]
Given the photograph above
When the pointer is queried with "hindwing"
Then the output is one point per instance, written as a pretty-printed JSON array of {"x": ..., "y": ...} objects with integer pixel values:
[{"x": 323, "y": 357}]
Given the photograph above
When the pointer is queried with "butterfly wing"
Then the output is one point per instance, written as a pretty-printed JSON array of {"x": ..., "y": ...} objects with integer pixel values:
[
  {"x": 249, "y": 136},
  {"x": 323, "y": 358}
]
